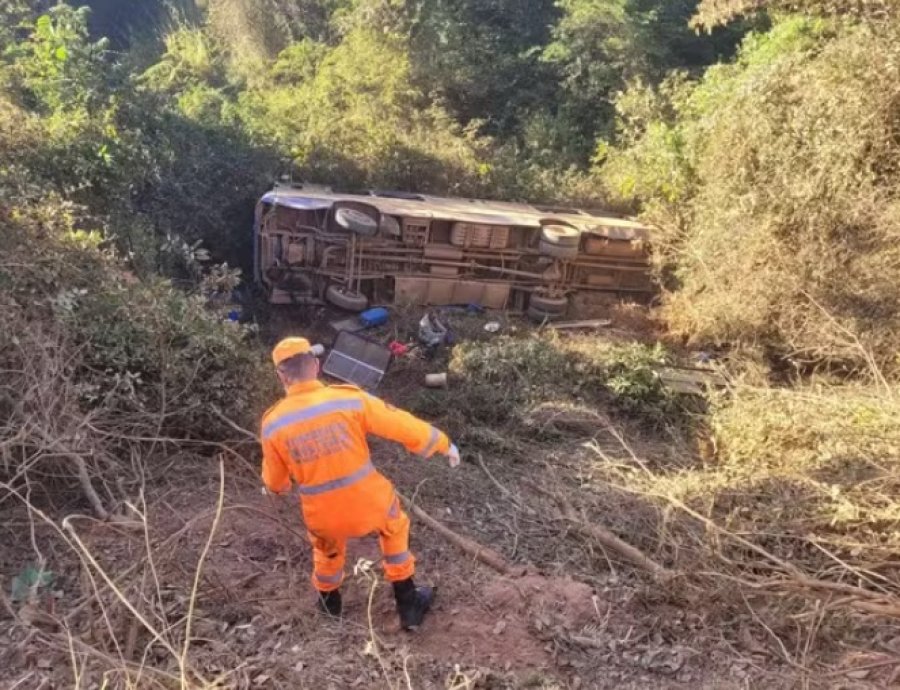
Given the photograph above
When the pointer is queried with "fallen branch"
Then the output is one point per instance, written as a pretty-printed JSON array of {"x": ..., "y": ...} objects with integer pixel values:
[
  {"x": 590, "y": 323},
  {"x": 863, "y": 600},
  {"x": 189, "y": 619},
  {"x": 6, "y": 603},
  {"x": 588, "y": 642},
  {"x": 606, "y": 538},
  {"x": 88, "y": 488},
  {"x": 481, "y": 553},
  {"x": 883, "y": 604}
]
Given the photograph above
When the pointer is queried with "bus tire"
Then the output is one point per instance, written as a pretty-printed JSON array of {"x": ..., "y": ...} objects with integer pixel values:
[
  {"x": 355, "y": 221},
  {"x": 550, "y": 305},
  {"x": 345, "y": 299},
  {"x": 558, "y": 251},
  {"x": 540, "y": 316},
  {"x": 561, "y": 235}
]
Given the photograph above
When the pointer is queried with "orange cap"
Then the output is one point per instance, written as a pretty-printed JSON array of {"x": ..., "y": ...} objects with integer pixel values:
[{"x": 290, "y": 347}]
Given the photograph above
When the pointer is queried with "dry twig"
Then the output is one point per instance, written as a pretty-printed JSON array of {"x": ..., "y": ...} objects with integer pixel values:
[{"x": 193, "y": 599}]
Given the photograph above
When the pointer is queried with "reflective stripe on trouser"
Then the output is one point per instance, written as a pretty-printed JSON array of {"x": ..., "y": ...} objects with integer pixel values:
[
  {"x": 328, "y": 562},
  {"x": 393, "y": 537}
]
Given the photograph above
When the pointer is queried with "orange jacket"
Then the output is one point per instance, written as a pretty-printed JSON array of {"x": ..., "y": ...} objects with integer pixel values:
[{"x": 316, "y": 436}]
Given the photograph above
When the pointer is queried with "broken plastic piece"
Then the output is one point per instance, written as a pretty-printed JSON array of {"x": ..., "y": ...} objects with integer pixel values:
[{"x": 436, "y": 380}]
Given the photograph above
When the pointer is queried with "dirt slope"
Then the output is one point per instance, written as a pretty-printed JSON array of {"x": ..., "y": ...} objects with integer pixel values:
[
  {"x": 256, "y": 622},
  {"x": 580, "y": 617}
]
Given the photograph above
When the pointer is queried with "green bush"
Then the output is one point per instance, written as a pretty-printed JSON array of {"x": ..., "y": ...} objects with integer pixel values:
[
  {"x": 506, "y": 378},
  {"x": 143, "y": 347},
  {"x": 358, "y": 120}
]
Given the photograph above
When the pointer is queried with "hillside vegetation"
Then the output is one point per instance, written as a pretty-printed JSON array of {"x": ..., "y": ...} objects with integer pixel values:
[
  {"x": 773, "y": 181},
  {"x": 759, "y": 139}
]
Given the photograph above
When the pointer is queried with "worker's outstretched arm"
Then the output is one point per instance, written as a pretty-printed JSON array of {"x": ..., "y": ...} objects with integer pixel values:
[
  {"x": 398, "y": 425},
  {"x": 275, "y": 474}
]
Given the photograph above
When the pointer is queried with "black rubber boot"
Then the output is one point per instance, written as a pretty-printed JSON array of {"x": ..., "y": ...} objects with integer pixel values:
[
  {"x": 330, "y": 603},
  {"x": 412, "y": 603}
]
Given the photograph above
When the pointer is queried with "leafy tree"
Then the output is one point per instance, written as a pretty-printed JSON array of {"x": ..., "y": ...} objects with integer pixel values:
[
  {"x": 13, "y": 14},
  {"x": 482, "y": 59},
  {"x": 58, "y": 67},
  {"x": 253, "y": 32},
  {"x": 600, "y": 45},
  {"x": 122, "y": 23},
  {"x": 359, "y": 119}
]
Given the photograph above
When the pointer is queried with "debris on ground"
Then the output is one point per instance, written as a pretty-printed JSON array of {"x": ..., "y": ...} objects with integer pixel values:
[
  {"x": 436, "y": 380},
  {"x": 580, "y": 325},
  {"x": 399, "y": 349},
  {"x": 433, "y": 332},
  {"x": 357, "y": 360},
  {"x": 551, "y": 573},
  {"x": 371, "y": 318},
  {"x": 377, "y": 316}
]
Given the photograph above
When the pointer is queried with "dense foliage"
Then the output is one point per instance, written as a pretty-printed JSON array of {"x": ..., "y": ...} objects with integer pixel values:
[
  {"x": 168, "y": 120},
  {"x": 465, "y": 97},
  {"x": 773, "y": 181},
  {"x": 769, "y": 171},
  {"x": 111, "y": 344}
]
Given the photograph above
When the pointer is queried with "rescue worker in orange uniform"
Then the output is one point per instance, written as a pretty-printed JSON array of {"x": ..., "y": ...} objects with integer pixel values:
[{"x": 315, "y": 437}]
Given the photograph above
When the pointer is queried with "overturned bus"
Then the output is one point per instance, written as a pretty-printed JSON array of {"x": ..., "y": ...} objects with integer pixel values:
[{"x": 312, "y": 245}]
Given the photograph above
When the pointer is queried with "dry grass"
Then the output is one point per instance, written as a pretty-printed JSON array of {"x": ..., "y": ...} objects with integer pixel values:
[
  {"x": 122, "y": 617},
  {"x": 785, "y": 518},
  {"x": 754, "y": 532},
  {"x": 816, "y": 462},
  {"x": 792, "y": 518},
  {"x": 809, "y": 254},
  {"x": 70, "y": 469},
  {"x": 773, "y": 187}
]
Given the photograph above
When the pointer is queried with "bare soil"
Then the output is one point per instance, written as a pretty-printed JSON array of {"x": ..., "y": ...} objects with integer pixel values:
[{"x": 257, "y": 622}]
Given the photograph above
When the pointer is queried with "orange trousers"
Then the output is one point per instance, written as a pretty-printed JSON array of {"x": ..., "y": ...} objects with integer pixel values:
[{"x": 330, "y": 552}]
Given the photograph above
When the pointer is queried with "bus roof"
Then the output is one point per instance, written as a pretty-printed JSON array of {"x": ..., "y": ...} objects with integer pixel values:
[{"x": 410, "y": 205}]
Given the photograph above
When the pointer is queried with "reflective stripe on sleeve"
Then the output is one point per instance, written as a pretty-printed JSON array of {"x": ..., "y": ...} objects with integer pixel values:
[
  {"x": 432, "y": 443},
  {"x": 311, "y": 413},
  {"x": 340, "y": 482}
]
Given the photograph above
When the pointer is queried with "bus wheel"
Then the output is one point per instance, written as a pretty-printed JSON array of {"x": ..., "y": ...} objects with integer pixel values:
[
  {"x": 540, "y": 316},
  {"x": 558, "y": 251},
  {"x": 355, "y": 221},
  {"x": 560, "y": 235},
  {"x": 550, "y": 305},
  {"x": 346, "y": 299}
]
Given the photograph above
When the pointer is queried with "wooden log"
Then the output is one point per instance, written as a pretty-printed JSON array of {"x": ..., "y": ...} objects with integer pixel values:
[
  {"x": 481, "y": 553},
  {"x": 570, "y": 325}
]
